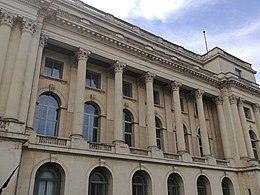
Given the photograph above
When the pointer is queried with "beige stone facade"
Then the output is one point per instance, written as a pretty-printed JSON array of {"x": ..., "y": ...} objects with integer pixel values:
[{"x": 84, "y": 95}]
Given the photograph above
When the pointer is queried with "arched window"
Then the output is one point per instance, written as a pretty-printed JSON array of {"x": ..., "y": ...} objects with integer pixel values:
[
  {"x": 173, "y": 185},
  {"x": 158, "y": 126},
  {"x": 203, "y": 186},
  {"x": 139, "y": 184},
  {"x": 46, "y": 118},
  {"x": 186, "y": 138},
  {"x": 200, "y": 143},
  {"x": 128, "y": 128},
  {"x": 47, "y": 180},
  {"x": 225, "y": 187},
  {"x": 98, "y": 183},
  {"x": 91, "y": 122},
  {"x": 253, "y": 139}
]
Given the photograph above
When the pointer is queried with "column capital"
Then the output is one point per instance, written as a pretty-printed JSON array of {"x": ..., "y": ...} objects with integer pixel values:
[
  {"x": 28, "y": 26},
  {"x": 43, "y": 40},
  {"x": 175, "y": 86},
  {"x": 199, "y": 93},
  {"x": 241, "y": 101},
  {"x": 219, "y": 100},
  {"x": 83, "y": 54},
  {"x": 233, "y": 99},
  {"x": 7, "y": 18},
  {"x": 256, "y": 107},
  {"x": 224, "y": 91},
  {"x": 119, "y": 66},
  {"x": 148, "y": 77}
]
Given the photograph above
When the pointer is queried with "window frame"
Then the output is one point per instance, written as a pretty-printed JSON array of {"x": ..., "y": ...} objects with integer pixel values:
[
  {"x": 200, "y": 143},
  {"x": 247, "y": 113},
  {"x": 253, "y": 140},
  {"x": 238, "y": 72},
  {"x": 159, "y": 134},
  {"x": 128, "y": 123},
  {"x": 91, "y": 129},
  {"x": 129, "y": 91},
  {"x": 139, "y": 188},
  {"x": 91, "y": 83},
  {"x": 156, "y": 97},
  {"x": 53, "y": 63},
  {"x": 98, "y": 184}
]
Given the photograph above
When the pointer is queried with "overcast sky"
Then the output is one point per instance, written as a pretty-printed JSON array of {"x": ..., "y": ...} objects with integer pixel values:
[{"x": 233, "y": 25}]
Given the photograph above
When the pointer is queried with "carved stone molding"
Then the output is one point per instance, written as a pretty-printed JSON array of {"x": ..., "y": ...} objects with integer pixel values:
[
  {"x": 7, "y": 18},
  {"x": 199, "y": 93},
  {"x": 119, "y": 66},
  {"x": 233, "y": 99},
  {"x": 43, "y": 40},
  {"x": 219, "y": 100},
  {"x": 241, "y": 101},
  {"x": 28, "y": 26},
  {"x": 256, "y": 107},
  {"x": 175, "y": 86},
  {"x": 148, "y": 77},
  {"x": 83, "y": 54}
]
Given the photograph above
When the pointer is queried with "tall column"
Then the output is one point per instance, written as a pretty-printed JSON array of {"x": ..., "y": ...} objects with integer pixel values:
[
  {"x": 245, "y": 129},
  {"x": 203, "y": 128},
  {"x": 118, "y": 113},
  {"x": 151, "y": 130},
  {"x": 223, "y": 128},
  {"x": 256, "y": 108},
  {"x": 33, "y": 100},
  {"x": 78, "y": 115},
  {"x": 29, "y": 74},
  {"x": 237, "y": 125},
  {"x": 175, "y": 87},
  {"x": 16, "y": 87},
  {"x": 6, "y": 24}
]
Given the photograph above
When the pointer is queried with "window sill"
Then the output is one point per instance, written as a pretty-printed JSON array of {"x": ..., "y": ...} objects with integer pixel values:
[
  {"x": 129, "y": 98},
  {"x": 158, "y": 106},
  {"x": 54, "y": 79},
  {"x": 250, "y": 120},
  {"x": 95, "y": 89}
]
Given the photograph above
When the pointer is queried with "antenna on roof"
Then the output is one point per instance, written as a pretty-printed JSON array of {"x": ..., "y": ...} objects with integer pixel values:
[{"x": 206, "y": 44}]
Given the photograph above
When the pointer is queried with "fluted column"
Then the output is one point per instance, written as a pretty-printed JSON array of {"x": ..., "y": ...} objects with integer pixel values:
[
  {"x": 29, "y": 74},
  {"x": 237, "y": 124},
  {"x": 118, "y": 115},
  {"x": 16, "y": 87},
  {"x": 223, "y": 128},
  {"x": 33, "y": 100},
  {"x": 6, "y": 24},
  {"x": 202, "y": 123},
  {"x": 175, "y": 87},
  {"x": 256, "y": 108},
  {"x": 151, "y": 130},
  {"x": 245, "y": 129},
  {"x": 78, "y": 114}
]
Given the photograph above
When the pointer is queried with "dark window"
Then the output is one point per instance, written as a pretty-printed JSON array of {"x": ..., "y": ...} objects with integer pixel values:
[
  {"x": 195, "y": 109},
  {"x": 93, "y": 80},
  {"x": 186, "y": 138},
  {"x": 247, "y": 113},
  {"x": 53, "y": 68},
  {"x": 156, "y": 97},
  {"x": 127, "y": 89},
  {"x": 182, "y": 104},
  {"x": 128, "y": 127},
  {"x": 158, "y": 126},
  {"x": 173, "y": 185},
  {"x": 47, "y": 181},
  {"x": 200, "y": 143},
  {"x": 238, "y": 72},
  {"x": 253, "y": 143},
  {"x": 46, "y": 118},
  {"x": 201, "y": 186},
  {"x": 139, "y": 184},
  {"x": 225, "y": 187},
  {"x": 91, "y": 122},
  {"x": 98, "y": 183}
]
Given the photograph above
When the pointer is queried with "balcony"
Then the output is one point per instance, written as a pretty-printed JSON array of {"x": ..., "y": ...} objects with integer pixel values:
[
  {"x": 171, "y": 156},
  {"x": 98, "y": 146},
  {"x": 198, "y": 159},
  {"x": 138, "y": 151},
  {"x": 4, "y": 125},
  {"x": 55, "y": 141}
]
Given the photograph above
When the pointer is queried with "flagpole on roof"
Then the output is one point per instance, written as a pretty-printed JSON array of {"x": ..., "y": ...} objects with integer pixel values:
[{"x": 205, "y": 39}]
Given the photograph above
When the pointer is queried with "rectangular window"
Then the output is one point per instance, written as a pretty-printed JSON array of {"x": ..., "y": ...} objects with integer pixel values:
[
  {"x": 195, "y": 109},
  {"x": 156, "y": 97},
  {"x": 93, "y": 80},
  {"x": 53, "y": 68},
  {"x": 127, "y": 89},
  {"x": 238, "y": 72},
  {"x": 247, "y": 113},
  {"x": 182, "y": 104}
]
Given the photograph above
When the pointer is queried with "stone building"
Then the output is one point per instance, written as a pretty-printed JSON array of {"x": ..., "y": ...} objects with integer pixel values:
[{"x": 93, "y": 105}]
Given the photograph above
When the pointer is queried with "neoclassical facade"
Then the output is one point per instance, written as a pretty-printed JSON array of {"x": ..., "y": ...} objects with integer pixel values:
[{"x": 93, "y": 105}]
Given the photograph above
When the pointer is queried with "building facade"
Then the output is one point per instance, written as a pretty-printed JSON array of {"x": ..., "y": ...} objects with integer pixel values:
[{"x": 92, "y": 105}]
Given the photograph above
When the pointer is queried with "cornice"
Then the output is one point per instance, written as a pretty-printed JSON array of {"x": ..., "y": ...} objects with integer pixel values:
[{"x": 113, "y": 39}]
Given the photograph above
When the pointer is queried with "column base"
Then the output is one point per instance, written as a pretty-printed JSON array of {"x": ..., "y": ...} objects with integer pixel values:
[
  {"x": 78, "y": 142},
  {"x": 155, "y": 152},
  {"x": 121, "y": 147},
  {"x": 118, "y": 142},
  {"x": 186, "y": 157}
]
